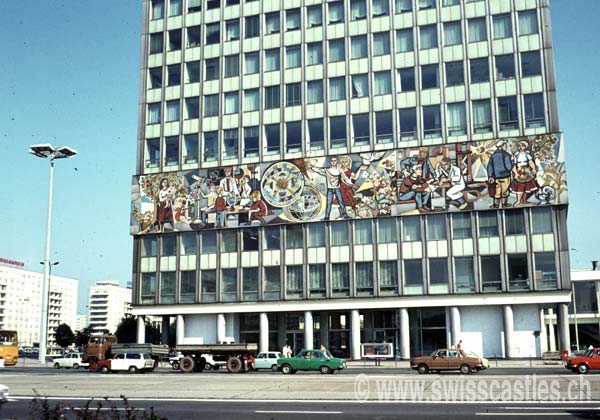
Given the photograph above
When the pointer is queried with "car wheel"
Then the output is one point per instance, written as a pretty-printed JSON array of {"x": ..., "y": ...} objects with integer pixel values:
[
  {"x": 57, "y": 365},
  {"x": 325, "y": 370},
  {"x": 286, "y": 369},
  {"x": 216, "y": 367},
  {"x": 583, "y": 368},
  {"x": 274, "y": 368},
  {"x": 186, "y": 365},
  {"x": 75, "y": 365},
  {"x": 465, "y": 369},
  {"x": 132, "y": 369},
  {"x": 104, "y": 369},
  {"x": 175, "y": 365},
  {"x": 422, "y": 369}
]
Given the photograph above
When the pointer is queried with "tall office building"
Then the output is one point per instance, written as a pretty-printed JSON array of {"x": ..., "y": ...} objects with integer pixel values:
[
  {"x": 349, "y": 172},
  {"x": 108, "y": 304}
]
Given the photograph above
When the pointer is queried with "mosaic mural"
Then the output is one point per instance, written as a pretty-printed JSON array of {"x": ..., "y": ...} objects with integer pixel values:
[{"x": 501, "y": 173}]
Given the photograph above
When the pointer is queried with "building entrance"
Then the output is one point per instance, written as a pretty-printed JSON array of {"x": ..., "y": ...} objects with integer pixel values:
[{"x": 427, "y": 330}]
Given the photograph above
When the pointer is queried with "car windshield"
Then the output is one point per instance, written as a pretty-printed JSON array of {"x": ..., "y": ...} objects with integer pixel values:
[
  {"x": 433, "y": 353},
  {"x": 328, "y": 354},
  {"x": 589, "y": 353}
]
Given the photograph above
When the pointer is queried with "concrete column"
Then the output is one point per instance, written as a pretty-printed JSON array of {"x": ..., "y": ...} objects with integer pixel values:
[
  {"x": 454, "y": 324},
  {"x": 543, "y": 335},
  {"x": 564, "y": 335},
  {"x": 308, "y": 330},
  {"x": 355, "y": 334},
  {"x": 280, "y": 331},
  {"x": 221, "y": 327},
  {"x": 180, "y": 333},
  {"x": 141, "y": 329},
  {"x": 508, "y": 330},
  {"x": 166, "y": 320},
  {"x": 263, "y": 332},
  {"x": 324, "y": 330},
  {"x": 551, "y": 334},
  {"x": 404, "y": 334}
]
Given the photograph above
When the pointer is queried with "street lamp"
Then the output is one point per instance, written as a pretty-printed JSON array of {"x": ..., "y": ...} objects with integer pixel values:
[{"x": 46, "y": 151}]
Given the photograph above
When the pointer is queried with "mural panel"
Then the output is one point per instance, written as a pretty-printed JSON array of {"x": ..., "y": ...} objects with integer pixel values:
[{"x": 502, "y": 173}]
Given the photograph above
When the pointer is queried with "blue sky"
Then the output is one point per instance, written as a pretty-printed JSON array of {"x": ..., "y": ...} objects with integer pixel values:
[{"x": 69, "y": 75}]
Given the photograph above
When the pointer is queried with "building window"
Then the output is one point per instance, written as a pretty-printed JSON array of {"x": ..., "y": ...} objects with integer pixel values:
[
  {"x": 251, "y": 144},
  {"x": 174, "y": 7},
  {"x": 211, "y": 146},
  {"x": 432, "y": 121},
  {"x": 250, "y": 239},
  {"x": 175, "y": 40},
  {"x": 316, "y": 135},
  {"x": 315, "y": 16},
  {"x": 208, "y": 244},
  {"x": 211, "y": 105},
  {"x": 171, "y": 151},
  {"x": 426, "y": 4},
  {"x": 482, "y": 116},
  {"x": 314, "y": 91},
  {"x": 531, "y": 64},
  {"x": 406, "y": 81},
  {"x": 457, "y": 119},
  {"x": 386, "y": 230},
  {"x": 518, "y": 272},
  {"x": 413, "y": 275},
  {"x": 408, "y": 123},
  {"x": 272, "y": 59},
  {"x": 211, "y": 69},
  {"x": 363, "y": 232},
  {"x": 294, "y": 238},
  {"x": 452, "y": 33},
  {"x": 438, "y": 275},
  {"x": 477, "y": 30},
  {"x": 515, "y": 222},
  {"x": 508, "y": 113},
  {"x": 193, "y": 36},
  {"x": 340, "y": 279},
  {"x": 172, "y": 111},
  {"x": 411, "y": 229},
  {"x": 545, "y": 271},
  {"x": 154, "y": 113},
  {"x": 187, "y": 293},
  {"x": 380, "y": 8},
  {"x": 272, "y": 238},
  {"x": 430, "y": 76},
  {"x": 403, "y": 6},
  {"x": 155, "y": 76},
  {"x": 294, "y": 280},
  {"x": 428, "y": 35},
  {"x": 541, "y": 218},
  {"x": 364, "y": 277},
  {"x": 535, "y": 116},
  {"x": 362, "y": 130},
  {"x": 293, "y": 136},
  {"x": 272, "y": 97},
  {"x": 461, "y": 226},
  {"x": 292, "y": 19},
  {"x": 360, "y": 85},
  {"x": 230, "y": 144},
  {"x": 251, "y": 100},
  {"x": 251, "y": 63},
  {"x": 337, "y": 88},
  {"x": 382, "y": 83},
  {"x": 190, "y": 148},
  {"x": 152, "y": 153},
  {"x": 194, "y": 6},
  {"x": 229, "y": 285},
  {"x": 167, "y": 287},
  {"x": 251, "y": 27},
  {"x": 491, "y": 273},
  {"x": 488, "y": 224},
  {"x": 192, "y": 108},
  {"x": 250, "y": 284},
  {"x": 213, "y": 4},
  {"x": 232, "y": 100},
  {"x": 208, "y": 285},
  {"x": 455, "y": 74},
  {"x": 156, "y": 43},
  {"x": 384, "y": 127},
  {"x": 358, "y": 9},
  {"x": 272, "y": 23},
  {"x": 232, "y": 65},
  {"x": 464, "y": 275},
  {"x": 336, "y": 12},
  {"x": 316, "y": 235},
  {"x": 316, "y": 279},
  {"x": 314, "y": 53},
  {"x": 213, "y": 33},
  {"x": 272, "y": 283},
  {"x": 388, "y": 276},
  {"x": 337, "y": 50},
  {"x": 337, "y": 131},
  {"x": 480, "y": 70},
  {"x": 232, "y": 30},
  {"x": 148, "y": 288},
  {"x": 505, "y": 67},
  {"x": 273, "y": 138},
  {"x": 528, "y": 22},
  {"x": 436, "y": 227},
  {"x": 158, "y": 9},
  {"x": 292, "y": 57},
  {"x": 502, "y": 26},
  {"x": 193, "y": 71},
  {"x": 340, "y": 234},
  {"x": 149, "y": 246},
  {"x": 358, "y": 47},
  {"x": 292, "y": 94},
  {"x": 404, "y": 40}
]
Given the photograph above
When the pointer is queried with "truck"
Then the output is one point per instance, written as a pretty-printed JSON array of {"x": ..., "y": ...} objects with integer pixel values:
[
  {"x": 102, "y": 347},
  {"x": 237, "y": 358}
]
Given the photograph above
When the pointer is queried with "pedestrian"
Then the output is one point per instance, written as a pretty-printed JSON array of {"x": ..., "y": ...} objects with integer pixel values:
[
  {"x": 322, "y": 347},
  {"x": 459, "y": 345}
]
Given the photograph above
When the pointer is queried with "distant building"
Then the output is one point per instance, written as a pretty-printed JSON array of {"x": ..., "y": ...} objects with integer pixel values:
[
  {"x": 81, "y": 323},
  {"x": 108, "y": 304},
  {"x": 21, "y": 303}
]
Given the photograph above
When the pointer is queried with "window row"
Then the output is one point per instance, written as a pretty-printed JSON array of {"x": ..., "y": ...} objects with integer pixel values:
[
  {"x": 492, "y": 273},
  {"x": 360, "y": 232},
  {"x": 425, "y": 37}
]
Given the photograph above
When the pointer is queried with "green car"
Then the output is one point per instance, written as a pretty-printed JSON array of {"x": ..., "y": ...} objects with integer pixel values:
[{"x": 320, "y": 360}]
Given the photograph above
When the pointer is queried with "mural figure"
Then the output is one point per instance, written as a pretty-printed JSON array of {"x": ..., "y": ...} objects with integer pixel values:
[
  {"x": 422, "y": 158},
  {"x": 524, "y": 173},
  {"x": 346, "y": 189},
  {"x": 447, "y": 172},
  {"x": 245, "y": 191},
  {"x": 220, "y": 206},
  {"x": 229, "y": 186},
  {"x": 414, "y": 187},
  {"x": 258, "y": 209},
  {"x": 164, "y": 213},
  {"x": 211, "y": 198},
  {"x": 334, "y": 177},
  {"x": 499, "y": 170}
]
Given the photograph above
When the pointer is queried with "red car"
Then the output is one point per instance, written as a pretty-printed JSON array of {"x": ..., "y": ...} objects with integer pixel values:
[{"x": 582, "y": 364}]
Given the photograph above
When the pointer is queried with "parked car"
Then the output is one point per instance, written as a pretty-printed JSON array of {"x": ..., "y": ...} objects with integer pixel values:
[
  {"x": 70, "y": 360},
  {"x": 267, "y": 360},
  {"x": 125, "y": 362},
  {"x": 3, "y": 394},
  {"x": 582, "y": 364},
  {"x": 450, "y": 359},
  {"x": 319, "y": 360}
]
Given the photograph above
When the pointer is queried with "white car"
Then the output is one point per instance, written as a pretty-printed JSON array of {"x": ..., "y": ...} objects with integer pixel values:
[
  {"x": 267, "y": 360},
  {"x": 70, "y": 360},
  {"x": 127, "y": 362},
  {"x": 3, "y": 394}
]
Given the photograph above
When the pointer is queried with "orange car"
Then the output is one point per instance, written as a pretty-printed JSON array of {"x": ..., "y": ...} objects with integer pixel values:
[
  {"x": 582, "y": 364},
  {"x": 449, "y": 359}
]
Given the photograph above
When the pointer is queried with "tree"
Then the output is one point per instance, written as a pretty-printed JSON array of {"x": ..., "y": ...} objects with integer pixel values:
[
  {"x": 127, "y": 331},
  {"x": 64, "y": 335},
  {"x": 83, "y": 336}
]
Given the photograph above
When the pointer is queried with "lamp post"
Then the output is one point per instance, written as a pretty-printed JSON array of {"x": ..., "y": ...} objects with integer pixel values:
[{"x": 47, "y": 151}]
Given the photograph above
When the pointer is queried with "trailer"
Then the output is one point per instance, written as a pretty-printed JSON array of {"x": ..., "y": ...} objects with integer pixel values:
[{"x": 237, "y": 358}]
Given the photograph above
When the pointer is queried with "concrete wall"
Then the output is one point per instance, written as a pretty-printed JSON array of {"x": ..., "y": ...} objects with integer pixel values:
[
  {"x": 482, "y": 330},
  {"x": 526, "y": 320}
]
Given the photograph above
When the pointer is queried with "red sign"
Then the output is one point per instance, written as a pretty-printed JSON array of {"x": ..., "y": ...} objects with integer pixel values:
[{"x": 12, "y": 262}]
